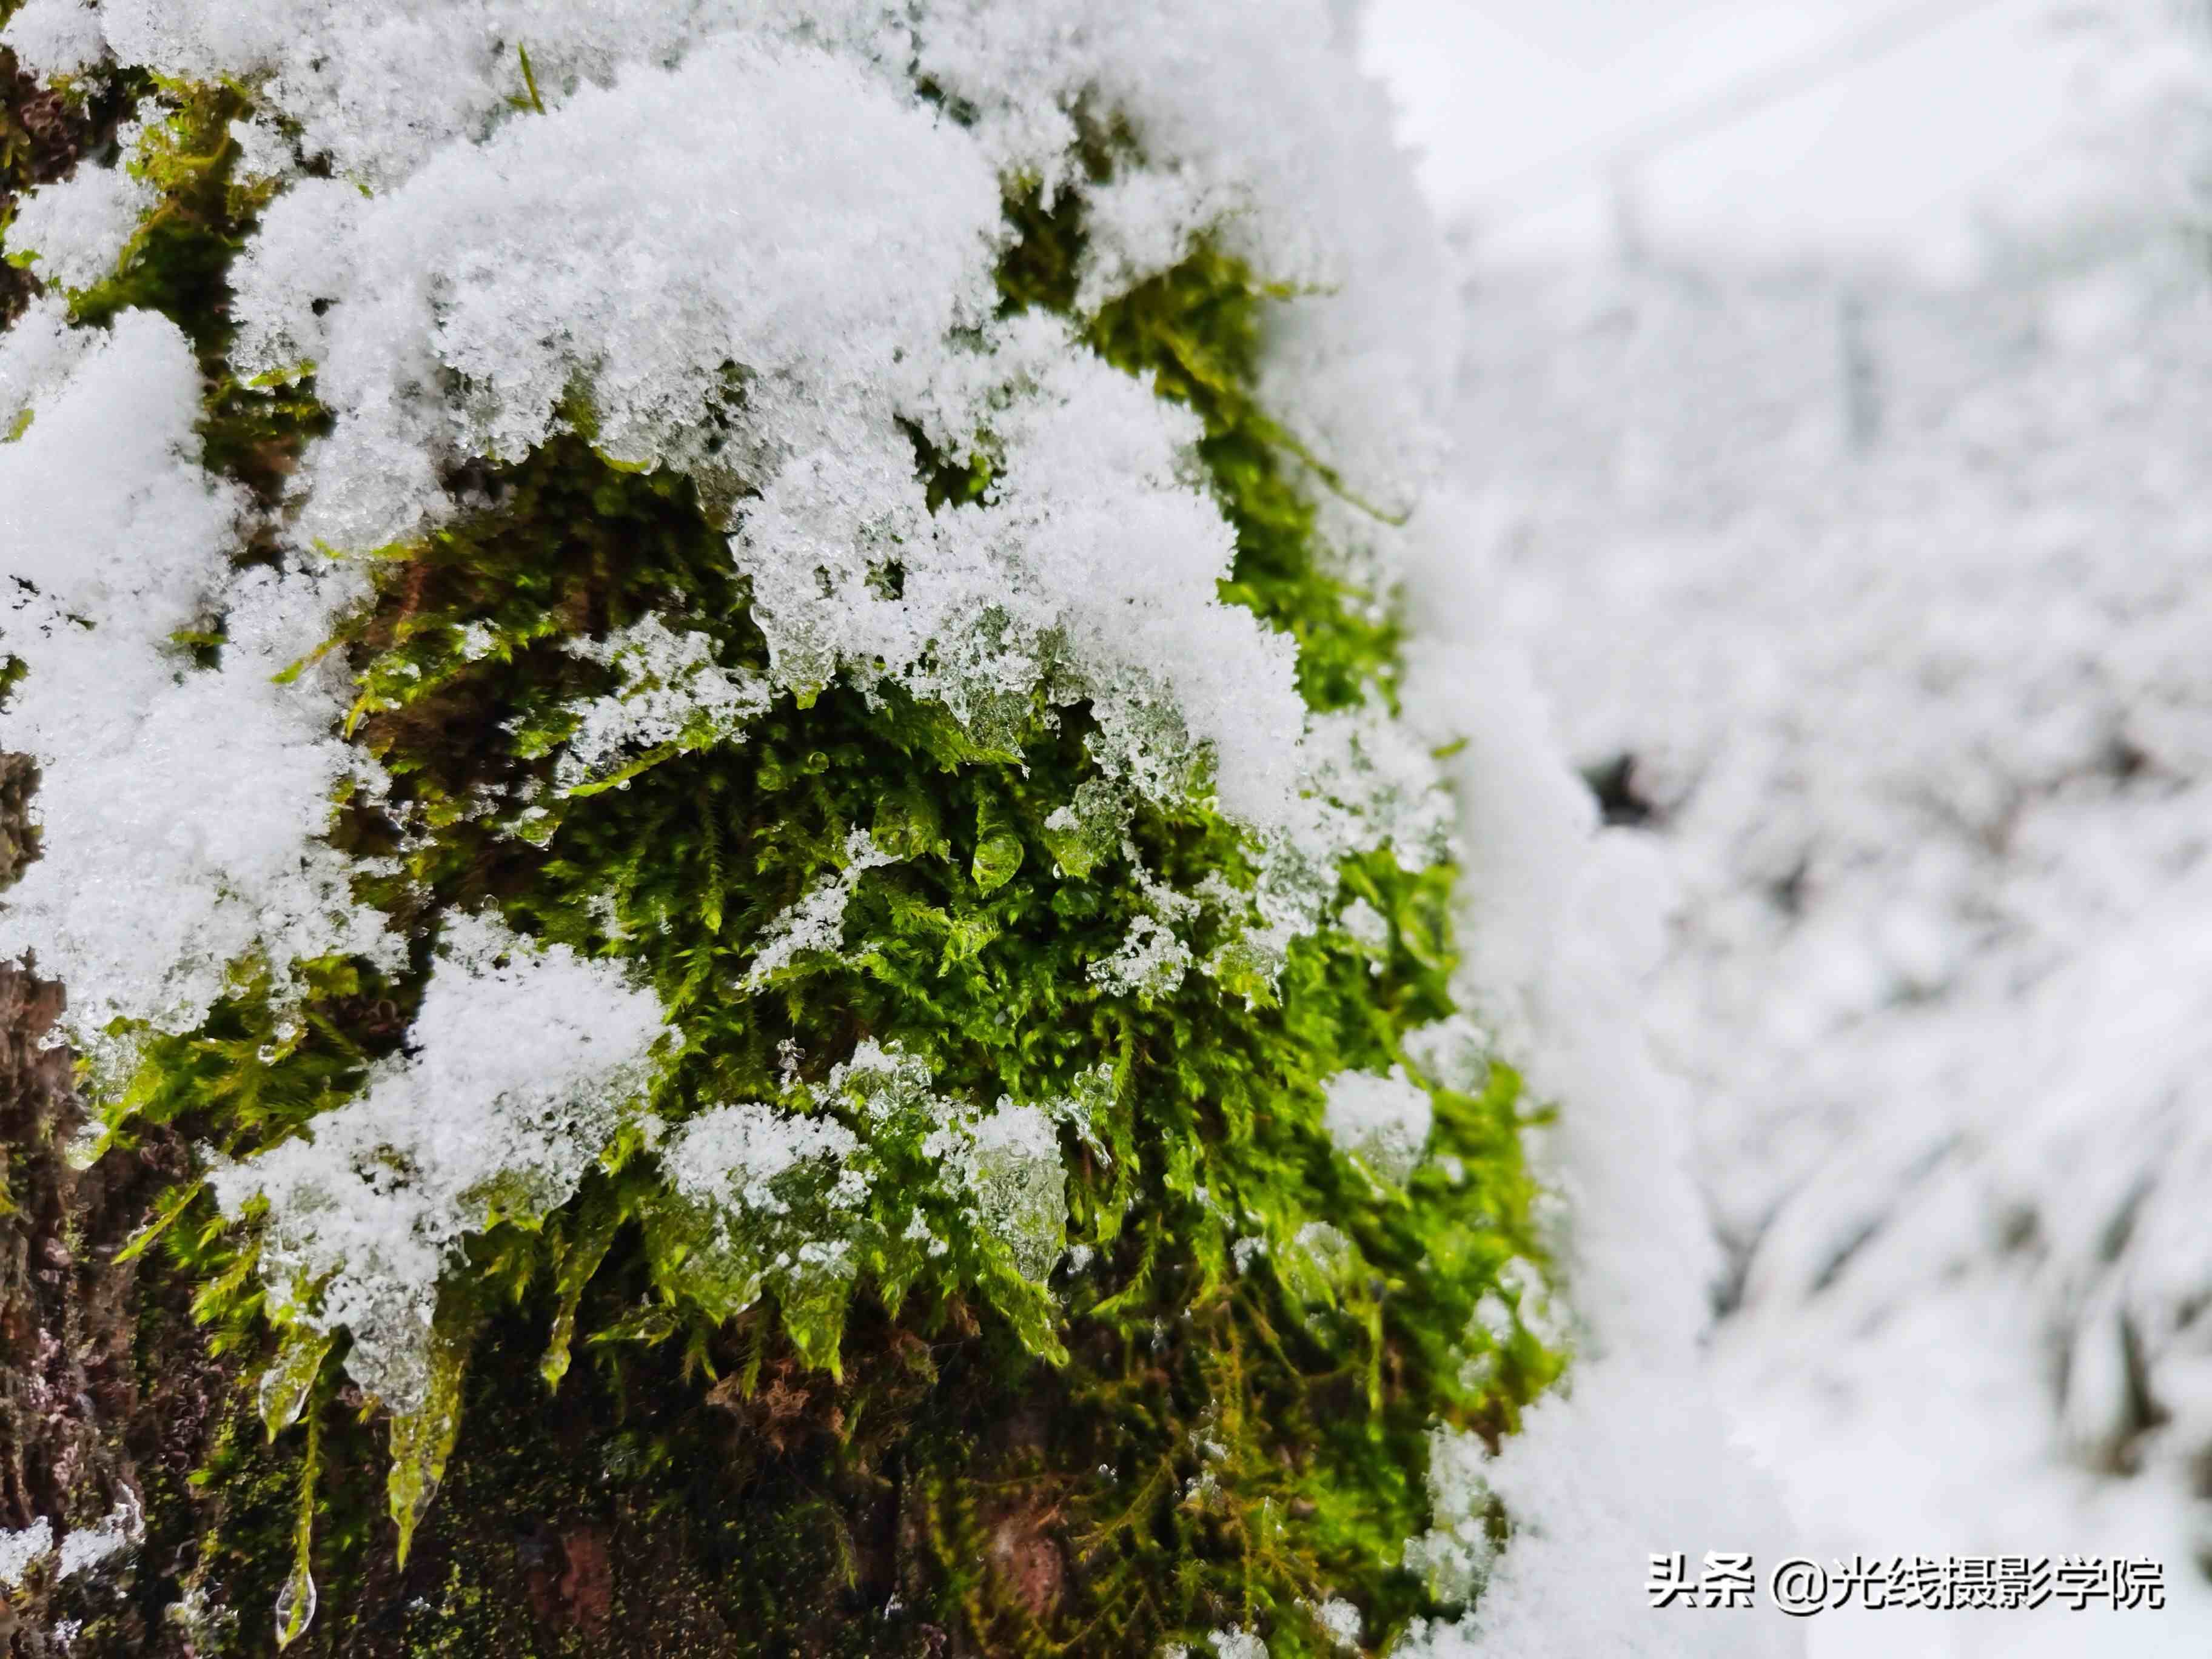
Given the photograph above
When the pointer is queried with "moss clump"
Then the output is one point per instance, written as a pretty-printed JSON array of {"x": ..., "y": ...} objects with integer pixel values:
[{"x": 1216, "y": 1412}]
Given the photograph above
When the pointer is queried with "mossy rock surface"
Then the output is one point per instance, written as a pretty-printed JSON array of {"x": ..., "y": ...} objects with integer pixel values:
[{"x": 1213, "y": 1413}]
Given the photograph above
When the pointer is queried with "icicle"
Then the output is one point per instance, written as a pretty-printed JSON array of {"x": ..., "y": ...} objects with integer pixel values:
[
  {"x": 291, "y": 1375},
  {"x": 295, "y": 1603},
  {"x": 595, "y": 1232},
  {"x": 423, "y": 1439}
]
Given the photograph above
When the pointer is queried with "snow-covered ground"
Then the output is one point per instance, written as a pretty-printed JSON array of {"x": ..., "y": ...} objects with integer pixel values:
[{"x": 1890, "y": 614}]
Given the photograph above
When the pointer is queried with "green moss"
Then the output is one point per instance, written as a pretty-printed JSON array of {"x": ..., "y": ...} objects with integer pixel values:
[{"x": 1222, "y": 1419}]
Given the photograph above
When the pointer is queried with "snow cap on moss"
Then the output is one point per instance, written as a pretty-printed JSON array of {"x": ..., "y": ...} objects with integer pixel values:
[
  {"x": 22, "y": 1549},
  {"x": 54, "y": 38},
  {"x": 814, "y": 310},
  {"x": 780, "y": 210},
  {"x": 672, "y": 694},
  {"x": 1316, "y": 196},
  {"x": 732, "y": 1157}
]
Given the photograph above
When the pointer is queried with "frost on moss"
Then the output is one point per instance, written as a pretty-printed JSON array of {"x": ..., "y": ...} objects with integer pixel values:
[{"x": 846, "y": 858}]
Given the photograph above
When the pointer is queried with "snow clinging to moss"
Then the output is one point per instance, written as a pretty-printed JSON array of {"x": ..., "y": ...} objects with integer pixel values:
[
  {"x": 1384, "y": 1121},
  {"x": 525, "y": 1064}
]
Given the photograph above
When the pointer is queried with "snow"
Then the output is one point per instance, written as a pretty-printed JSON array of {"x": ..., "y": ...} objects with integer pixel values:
[
  {"x": 53, "y": 38},
  {"x": 819, "y": 262},
  {"x": 1382, "y": 1122},
  {"x": 1092, "y": 569},
  {"x": 178, "y": 808},
  {"x": 1578, "y": 1481},
  {"x": 1893, "y": 599},
  {"x": 1561, "y": 925},
  {"x": 74, "y": 229},
  {"x": 1896, "y": 599},
  {"x": 86, "y": 1548},
  {"x": 20, "y": 1550}
]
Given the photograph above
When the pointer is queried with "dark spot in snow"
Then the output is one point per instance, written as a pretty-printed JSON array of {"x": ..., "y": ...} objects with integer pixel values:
[
  {"x": 2124, "y": 760},
  {"x": 1614, "y": 783}
]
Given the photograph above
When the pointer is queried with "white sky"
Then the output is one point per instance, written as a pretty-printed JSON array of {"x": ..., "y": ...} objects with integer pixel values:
[{"x": 1889, "y": 158}]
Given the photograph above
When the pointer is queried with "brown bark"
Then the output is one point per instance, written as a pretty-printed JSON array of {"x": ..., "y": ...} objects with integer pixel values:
[{"x": 80, "y": 1434}]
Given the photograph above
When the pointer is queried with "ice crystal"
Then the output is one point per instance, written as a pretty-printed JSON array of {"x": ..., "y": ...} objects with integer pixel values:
[{"x": 672, "y": 695}]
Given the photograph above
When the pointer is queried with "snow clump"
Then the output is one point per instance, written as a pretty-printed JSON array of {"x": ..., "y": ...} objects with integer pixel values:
[
  {"x": 1382, "y": 1122},
  {"x": 179, "y": 810}
]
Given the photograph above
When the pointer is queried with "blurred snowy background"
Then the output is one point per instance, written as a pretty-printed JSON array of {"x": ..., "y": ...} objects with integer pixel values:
[{"x": 1837, "y": 379}]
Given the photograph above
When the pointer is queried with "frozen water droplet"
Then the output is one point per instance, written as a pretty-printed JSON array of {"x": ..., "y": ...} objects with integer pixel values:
[
  {"x": 83, "y": 1149},
  {"x": 296, "y": 1606}
]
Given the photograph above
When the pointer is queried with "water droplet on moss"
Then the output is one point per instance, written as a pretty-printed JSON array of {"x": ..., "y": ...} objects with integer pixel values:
[{"x": 997, "y": 857}]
